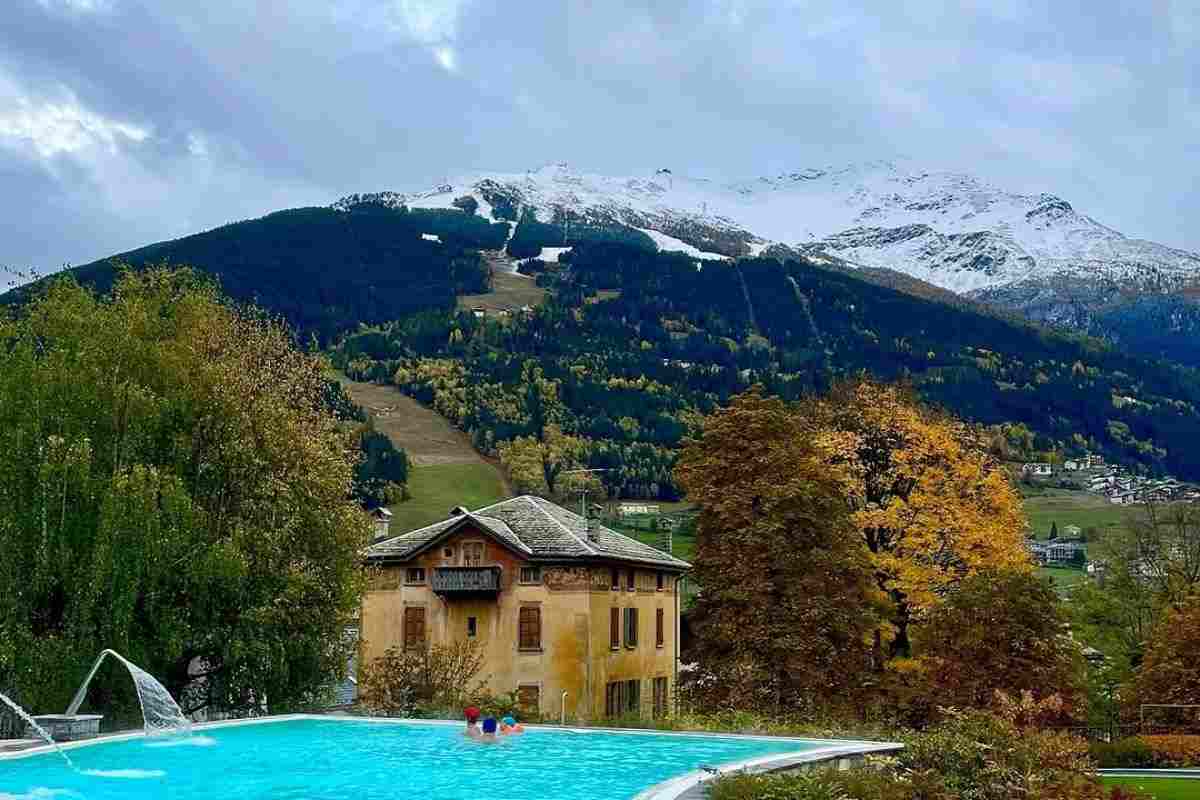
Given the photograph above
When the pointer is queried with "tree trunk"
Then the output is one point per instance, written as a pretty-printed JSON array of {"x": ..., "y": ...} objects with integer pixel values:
[{"x": 901, "y": 646}]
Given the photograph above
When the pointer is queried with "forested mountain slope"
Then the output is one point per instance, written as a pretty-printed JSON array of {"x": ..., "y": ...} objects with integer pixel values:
[
  {"x": 327, "y": 270},
  {"x": 675, "y": 336},
  {"x": 635, "y": 344}
]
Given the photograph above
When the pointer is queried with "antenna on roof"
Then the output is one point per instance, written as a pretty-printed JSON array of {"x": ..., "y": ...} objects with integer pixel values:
[{"x": 583, "y": 490}]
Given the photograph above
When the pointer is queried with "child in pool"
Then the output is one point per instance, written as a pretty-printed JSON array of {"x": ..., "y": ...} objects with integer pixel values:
[
  {"x": 472, "y": 715},
  {"x": 510, "y": 725},
  {"x": 489, "y": 730}
]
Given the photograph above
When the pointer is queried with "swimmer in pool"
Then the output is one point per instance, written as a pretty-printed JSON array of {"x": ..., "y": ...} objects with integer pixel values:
[
  {"x": 509, "y": 725},
  {"x": 472, "y": 715},
  {"x": 489, "y": 730}
]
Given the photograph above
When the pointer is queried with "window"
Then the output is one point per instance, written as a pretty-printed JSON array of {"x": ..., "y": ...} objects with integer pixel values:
[
  {"x": 629, "y": 580},
  {"x": 658, "y": 581},
  {"x": 633, "y": 696},
  {"x": 622, "y": 697},
  {"x": 531, "y": 574},
  {"x": 614, "y": 695},
  {"x": 472, "y": 554},
  {"x": 616, "y": 579},
  {"x": 631, "y": 627},
  {"x": 659, "y": 624},
  {"x": 447, "y": 552},
  {"x": 414, "y": 627},
  {"x": 529, "y": 697},
  {"x": 614, "y": 628},
  {"x": 472, "y": 627},
  {"x": 529, "y": 624},
  {"x": 660, "y": 698},
  {"x": 414, "y": 576}
]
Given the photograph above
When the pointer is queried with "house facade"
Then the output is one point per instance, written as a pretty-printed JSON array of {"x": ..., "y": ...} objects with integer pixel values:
[{"x": 574, "y": 617}]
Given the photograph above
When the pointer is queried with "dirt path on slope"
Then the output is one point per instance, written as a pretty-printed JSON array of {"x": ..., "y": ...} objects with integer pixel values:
[{"x": 426, "y": 436}]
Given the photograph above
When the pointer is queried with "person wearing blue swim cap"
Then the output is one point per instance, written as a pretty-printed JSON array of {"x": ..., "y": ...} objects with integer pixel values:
[{"x": 489, "y": 729}]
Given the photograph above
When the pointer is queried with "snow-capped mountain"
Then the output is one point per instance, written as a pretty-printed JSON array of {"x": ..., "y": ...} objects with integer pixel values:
[
  {"x": 952, "y": 230},
  {"x": 1033, "y": 253}
]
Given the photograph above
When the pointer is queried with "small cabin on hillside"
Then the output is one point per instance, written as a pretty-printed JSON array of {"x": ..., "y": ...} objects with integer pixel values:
[
  {"x": 632, "y": 509},
  {"x": 1037, "y": 469}
]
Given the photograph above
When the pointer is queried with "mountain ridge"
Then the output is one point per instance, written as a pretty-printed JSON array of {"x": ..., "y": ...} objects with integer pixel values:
[{"x": 1034, "y": 254}]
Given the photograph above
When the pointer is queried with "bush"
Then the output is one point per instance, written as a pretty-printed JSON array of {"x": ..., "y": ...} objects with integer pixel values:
[
  {"x": 1173, "y": 751},
  {"x": 1148, "y": 752},
  {"x": 886, "y": 783},
  {"x": 981, "y": 756},
  {"x": 1130, "y": 752},
  {"x": 411, "y": 682}
]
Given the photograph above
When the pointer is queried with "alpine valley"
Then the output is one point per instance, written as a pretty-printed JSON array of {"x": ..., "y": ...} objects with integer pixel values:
[{"x": 604, "y": 316}]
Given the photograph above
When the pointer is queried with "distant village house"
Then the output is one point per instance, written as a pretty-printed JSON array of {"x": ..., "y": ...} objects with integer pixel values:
[{"x": 631, "y": 509}]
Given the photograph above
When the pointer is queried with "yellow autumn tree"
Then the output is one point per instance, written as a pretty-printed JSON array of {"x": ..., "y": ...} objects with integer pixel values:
[
  {"x": 534, "y": 464},
  {"x": 929, "y": 503}
]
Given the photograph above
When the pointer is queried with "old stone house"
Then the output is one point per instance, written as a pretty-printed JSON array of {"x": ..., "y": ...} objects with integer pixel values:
[{"x": 571, "y": 615}]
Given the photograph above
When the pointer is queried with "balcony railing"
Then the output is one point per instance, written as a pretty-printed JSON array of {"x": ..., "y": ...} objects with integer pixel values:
[{"x": 466, "y": 580}]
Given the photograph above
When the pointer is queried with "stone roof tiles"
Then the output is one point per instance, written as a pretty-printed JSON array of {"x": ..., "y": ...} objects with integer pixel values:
[{"x": 539, "y": 529}]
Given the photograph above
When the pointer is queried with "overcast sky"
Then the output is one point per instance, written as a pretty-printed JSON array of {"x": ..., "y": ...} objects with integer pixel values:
[{"x": 124, "y": 122}]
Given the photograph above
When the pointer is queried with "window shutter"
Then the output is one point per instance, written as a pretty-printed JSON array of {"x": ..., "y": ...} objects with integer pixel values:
[
  {"x": 614, "y": 628},
  {"x": 659, "y": 633},
  {"x": 414, "y": 626},
  {"x": 530, "y": 628},
  {"x": 631, "y": 627}
]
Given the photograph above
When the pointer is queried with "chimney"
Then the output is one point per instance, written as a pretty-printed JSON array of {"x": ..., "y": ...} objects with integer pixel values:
[{"x": 592, "y": 522}]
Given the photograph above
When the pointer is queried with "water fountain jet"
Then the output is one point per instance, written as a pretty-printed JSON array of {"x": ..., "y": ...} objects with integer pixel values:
[
  {"x": 160, "y": 713},
  {"x": 31, "y": 722}
]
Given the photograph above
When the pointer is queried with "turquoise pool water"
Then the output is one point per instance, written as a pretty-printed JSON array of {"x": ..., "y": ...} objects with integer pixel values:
[{"x": 314, "y": 759}]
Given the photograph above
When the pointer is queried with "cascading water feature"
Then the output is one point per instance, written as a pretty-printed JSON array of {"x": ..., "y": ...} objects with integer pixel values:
[
  {"x": 160, "y": 713},
  {"x": 32, "y": 723}
]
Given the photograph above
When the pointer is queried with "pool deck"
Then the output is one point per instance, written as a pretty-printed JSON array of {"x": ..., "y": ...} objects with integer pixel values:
[{"x": 837, "y": 753}]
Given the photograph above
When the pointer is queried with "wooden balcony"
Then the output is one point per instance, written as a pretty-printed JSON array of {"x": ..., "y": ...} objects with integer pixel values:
[{"x": 466, "y": 580}]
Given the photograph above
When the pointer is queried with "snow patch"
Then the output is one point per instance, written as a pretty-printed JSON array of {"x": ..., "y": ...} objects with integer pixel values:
[
  {"x": 669, "y": 244},
  {"x": 431, "y": 237},
  {"x": 551, "y": 254}
]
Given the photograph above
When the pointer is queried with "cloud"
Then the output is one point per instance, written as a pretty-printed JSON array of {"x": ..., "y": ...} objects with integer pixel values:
[
  {"x": 77, "y": 6},
  {"x": 431, "y": 25},
  {"x": 60, "y": 125},
  {"x": 209, "y": 112}
]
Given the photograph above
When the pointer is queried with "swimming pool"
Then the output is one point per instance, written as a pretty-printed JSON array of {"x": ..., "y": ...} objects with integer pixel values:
[{"x": 315, "y": 758}]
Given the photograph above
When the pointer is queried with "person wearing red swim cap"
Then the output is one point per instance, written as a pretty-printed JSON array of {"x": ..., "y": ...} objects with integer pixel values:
[{"x": 472, "y": 715}]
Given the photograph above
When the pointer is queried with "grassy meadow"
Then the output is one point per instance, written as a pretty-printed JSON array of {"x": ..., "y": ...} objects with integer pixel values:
[
  {"x": 1160, "y": 788},
  {"x": 437, "y": 488},
  {"x": 1065, "y": 507}
]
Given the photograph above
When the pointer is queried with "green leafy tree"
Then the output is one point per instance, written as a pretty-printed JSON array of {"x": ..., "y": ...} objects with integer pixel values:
[{"x": 173, "y": 486}]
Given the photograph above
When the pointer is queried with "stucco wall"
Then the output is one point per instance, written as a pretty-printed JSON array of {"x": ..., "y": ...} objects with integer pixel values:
[{"x": 575, "y": 602}]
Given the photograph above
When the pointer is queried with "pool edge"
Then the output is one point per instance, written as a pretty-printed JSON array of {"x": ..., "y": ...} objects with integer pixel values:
[{"x": 689, "y": 784}]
